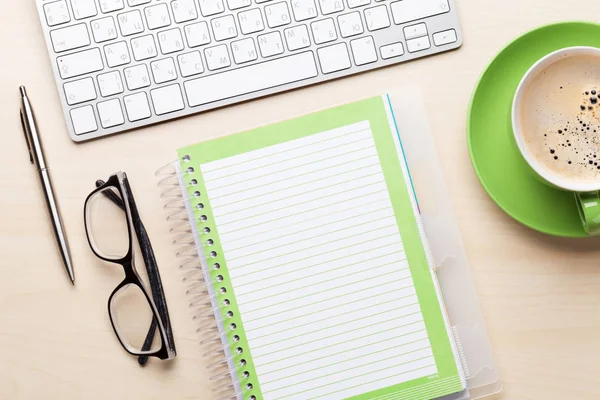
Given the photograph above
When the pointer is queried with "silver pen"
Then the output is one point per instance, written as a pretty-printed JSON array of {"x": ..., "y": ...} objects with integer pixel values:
[{"x": 36, "y": 156}]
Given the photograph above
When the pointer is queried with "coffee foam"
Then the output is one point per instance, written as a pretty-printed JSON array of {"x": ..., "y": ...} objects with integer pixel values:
[{"x": 560, "y": 118}]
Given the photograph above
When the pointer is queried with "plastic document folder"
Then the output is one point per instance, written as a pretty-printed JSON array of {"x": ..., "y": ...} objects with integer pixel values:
[{"x": 327, "y": 260}]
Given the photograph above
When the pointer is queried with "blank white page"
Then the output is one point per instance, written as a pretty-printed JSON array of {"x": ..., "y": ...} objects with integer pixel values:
[{"x": 318, "y": 268}]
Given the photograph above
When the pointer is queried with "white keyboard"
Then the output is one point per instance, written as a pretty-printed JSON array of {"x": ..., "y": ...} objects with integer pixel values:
[{"x": 123, "y": 64}]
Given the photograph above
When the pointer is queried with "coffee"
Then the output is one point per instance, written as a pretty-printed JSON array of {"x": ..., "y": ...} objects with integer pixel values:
[{"x": 560, "y": 118}]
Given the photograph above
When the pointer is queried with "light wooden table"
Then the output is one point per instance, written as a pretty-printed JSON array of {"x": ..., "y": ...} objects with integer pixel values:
[{"x": 540, "y": 295}]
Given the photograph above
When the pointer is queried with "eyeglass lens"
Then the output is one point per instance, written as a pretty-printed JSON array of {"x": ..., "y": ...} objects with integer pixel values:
[
  {"x": 132, "y": 316},
  {"x": 107, "y": 225}
]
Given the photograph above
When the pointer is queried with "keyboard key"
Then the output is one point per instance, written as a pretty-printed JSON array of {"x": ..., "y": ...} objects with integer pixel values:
[
  {"x": 163, "y": 70},
  {"x": 190, "y": 64},
  {"x": 350, "y": 24},
  {"x": 237, "y": 4},
  {"x": 137, "y": 77},
  {"x": 137, "y": 2},
  {"x": 217, "y": 57},
  {"x": 377, "y": 18},
  {"x": 107, "y": 6},
  {"x": 69, "y": 38},
  {"x": 277, "y": 14},
  {"x": 137, "y": 107},
  {"x": 80, "y": 91},
  {"x": 334, "y": 58},
  {"x": 236, "y": 83},
  {"x": 244, "y": 51},
  {"x": 265, "y": 75},
  {"x": 110, "y": 113},
  {"x": 197, "y": 34},
  {"x": 57, "y": 13},
  {"x": 144, "y": 48},
  {"x": 415, "y": 31},
  {"x": 84, "y": 120},
  {"x": 411, "y": 10},
  {"x": 297, "y": 37},
  {"x": 331, "y": 6},
  {"x": 81, "y": 63},
  {"x": 167, "y": 99},
  {"x": 270, "y": 44},
  {"x": 446, "y": 37},
  {"x": 110, "y": 83},
  {"x": 84, "y": 8},
  {"x": 170, "y": 41},
  {"x": 251, "y": 21},
  {"x": 104, "y": 29},
  {"x": 184, "y": 10},
  {"x": 224, "y": 27},
  {"x": 418, "y": 44},
  {"x": 324, "y": 31},
  {"x": 304, "y": 9},
  {"x": 117, "y": 54},
  {"x": 157, "y": 16},
  {"x": 363, "y": 50},
  {"x": 358, "y": 3},
  {"x": 211, "y": 7},
  {"x": 131, "y": 23},
  {"x": 391, "y": 50}
]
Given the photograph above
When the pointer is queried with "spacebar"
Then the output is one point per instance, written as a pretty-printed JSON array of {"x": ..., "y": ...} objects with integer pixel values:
[{"x": 250, "y": 79}]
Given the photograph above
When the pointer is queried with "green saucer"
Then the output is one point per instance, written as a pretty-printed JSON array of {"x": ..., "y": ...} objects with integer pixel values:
[{"x": 494, "y": 153}]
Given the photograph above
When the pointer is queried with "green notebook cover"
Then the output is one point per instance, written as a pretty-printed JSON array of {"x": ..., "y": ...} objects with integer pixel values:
[{"x": 309, "y": 230}]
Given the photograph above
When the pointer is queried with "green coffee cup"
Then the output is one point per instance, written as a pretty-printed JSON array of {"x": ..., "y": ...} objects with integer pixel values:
[{"x": 585, "y": 193}]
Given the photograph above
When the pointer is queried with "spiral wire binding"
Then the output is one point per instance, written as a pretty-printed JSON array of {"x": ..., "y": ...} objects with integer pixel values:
[{"x": 198, "y": 287}]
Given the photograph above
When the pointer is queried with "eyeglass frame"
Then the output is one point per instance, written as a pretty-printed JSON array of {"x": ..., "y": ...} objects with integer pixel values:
[
  {"x": 160, "y": 320},
  {"x": 151, "y": 268}
]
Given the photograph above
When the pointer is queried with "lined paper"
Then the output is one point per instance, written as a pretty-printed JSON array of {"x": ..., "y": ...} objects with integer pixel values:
[{"x": 318, "y": 268}]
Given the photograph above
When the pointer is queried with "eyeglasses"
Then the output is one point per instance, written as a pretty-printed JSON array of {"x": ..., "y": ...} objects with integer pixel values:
[{"x": 110, "y": 217}]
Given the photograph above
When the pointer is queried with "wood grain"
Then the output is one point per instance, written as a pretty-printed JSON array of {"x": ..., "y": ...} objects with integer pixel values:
[{"x": 540, "y": 295}]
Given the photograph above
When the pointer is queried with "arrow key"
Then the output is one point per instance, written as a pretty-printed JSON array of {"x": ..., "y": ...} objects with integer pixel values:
[
  {"x": 418, "y": 44},
  {"x": 391, "y": 50}
]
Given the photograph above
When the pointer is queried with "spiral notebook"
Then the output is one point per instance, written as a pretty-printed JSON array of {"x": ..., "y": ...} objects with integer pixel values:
[{"x": 319, "y": 283}]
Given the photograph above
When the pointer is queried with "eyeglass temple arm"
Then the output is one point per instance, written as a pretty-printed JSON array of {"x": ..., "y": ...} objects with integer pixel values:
[
  {"x": 152, "y": 269},
  {"x": 111, "y": 195},
  {"x": 142, "y": 360},
  {"x": 155, "y": 284}
]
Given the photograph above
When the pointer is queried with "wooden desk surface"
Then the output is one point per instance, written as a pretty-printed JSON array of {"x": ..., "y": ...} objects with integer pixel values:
[{"x": 540, "y": 295}]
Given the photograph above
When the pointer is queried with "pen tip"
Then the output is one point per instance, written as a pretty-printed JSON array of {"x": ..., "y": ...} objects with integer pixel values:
[
  {"x": 71, "y": 273},
  {"x": 22, "y": 90}
]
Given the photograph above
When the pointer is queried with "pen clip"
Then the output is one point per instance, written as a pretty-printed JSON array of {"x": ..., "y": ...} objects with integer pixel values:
[{"x": 26, "y": 137}]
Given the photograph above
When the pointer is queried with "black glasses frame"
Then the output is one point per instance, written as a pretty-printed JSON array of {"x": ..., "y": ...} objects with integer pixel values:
[{"x": 157, "y": 301}]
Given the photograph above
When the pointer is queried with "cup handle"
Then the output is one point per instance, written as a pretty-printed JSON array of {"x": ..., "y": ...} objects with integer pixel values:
[{"x": 588, "y": 205}]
